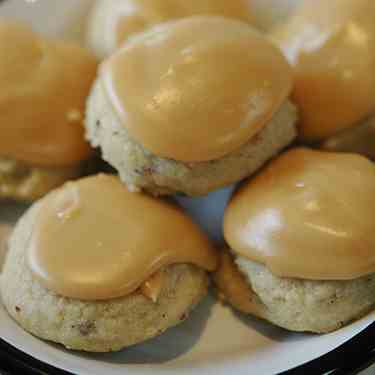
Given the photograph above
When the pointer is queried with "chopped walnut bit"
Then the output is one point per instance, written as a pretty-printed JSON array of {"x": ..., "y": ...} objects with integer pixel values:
[
  {"x": 152, "y": 287},
  {"x": 85, "y": 328}
]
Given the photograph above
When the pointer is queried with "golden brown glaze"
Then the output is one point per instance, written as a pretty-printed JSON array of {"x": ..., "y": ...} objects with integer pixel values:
[
  {"x": 134, "y": 16},
  {"x": 152, "y": 287},
  {"x": 309, "y": 215},
  {"x": 44, "y": 85},
  {"x": 95, "y": 240},
  {"x": 233, "y": 286},
  {"x": 331, "y": 45},
  {"x": 194, "y": 90}
]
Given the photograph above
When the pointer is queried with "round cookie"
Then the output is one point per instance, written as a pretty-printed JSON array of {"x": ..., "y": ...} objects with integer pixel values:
[
  {"x": 94, "y": 326},
  {"x": 45, "y": 84},
  {"x": 142, "y": 170},
  {"x": 164, "y": 133},
  {"x": 96, "y": 323},
  {"x": 334, "y": 63},
  {"x": 301, "y": 242}
]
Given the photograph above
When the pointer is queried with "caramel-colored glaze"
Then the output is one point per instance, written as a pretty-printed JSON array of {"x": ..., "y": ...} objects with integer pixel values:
[
  {"x": 332, "y": 47},
  {"x": 233, "y": 286},
  {"x": 152, "y": 287},
  {"x": 134, "y": 16},
  {"x": 95, "y": 240},
  {"x": 309, "y": 215},
  {"x": 194, "y": 90},
  {"x": 44, "y": 85},
  {"x": 360, "y": 139}
]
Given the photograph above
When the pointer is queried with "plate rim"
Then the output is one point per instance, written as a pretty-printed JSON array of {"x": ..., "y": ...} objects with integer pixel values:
[{"x": 356, "y": 354}]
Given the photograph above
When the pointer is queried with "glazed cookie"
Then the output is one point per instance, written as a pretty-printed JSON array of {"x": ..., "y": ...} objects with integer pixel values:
[
  {"x": 112, "y": 22},
  {"x": 182, "y": 108},
  {"x": 97, "y": 268},
  {"x": 334, "y": 70},
  {"x": 301, "y": 242},
  {"x": 44, "y": 88}
]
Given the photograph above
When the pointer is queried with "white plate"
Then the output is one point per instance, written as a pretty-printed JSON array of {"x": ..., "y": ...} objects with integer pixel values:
[{"x": 215, "y": 340}]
